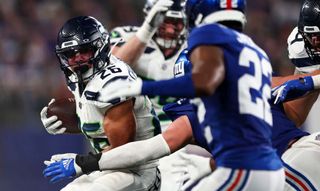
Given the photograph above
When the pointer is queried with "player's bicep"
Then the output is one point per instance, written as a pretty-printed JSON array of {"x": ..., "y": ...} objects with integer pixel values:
[
  {"x": 119, "y": 124},
  {"x": 208, "y": 68}
]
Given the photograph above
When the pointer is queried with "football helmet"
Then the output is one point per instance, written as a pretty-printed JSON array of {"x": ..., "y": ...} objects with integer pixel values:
[
  {"x": 309, "y": 28},
  {"x": 171, "y": 34},
  {"x": 83, "y": 35},
  {"x": 215, "y": 11}
]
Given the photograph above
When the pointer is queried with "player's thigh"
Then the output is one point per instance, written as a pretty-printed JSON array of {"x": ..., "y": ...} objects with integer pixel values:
[
  {"x": 239, "y": 179},
  {"x": 301, "y": 164},
  {"x": 169, "y": 180},
  {"x": 141, "y": 180},
  {"x": 81, "y": 183}
]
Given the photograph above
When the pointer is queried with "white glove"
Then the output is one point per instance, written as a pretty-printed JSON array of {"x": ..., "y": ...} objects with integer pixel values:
[
  {"x": 59, "y": 157},
  {"x": 153, "y": 20},
  {"x": 120, "y": 88},
  {"x": 51, "y": 124},
  {"x": 194, "y": 167}
]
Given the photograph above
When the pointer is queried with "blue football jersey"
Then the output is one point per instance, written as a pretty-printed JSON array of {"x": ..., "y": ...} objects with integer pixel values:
[
  {"x": 283, "y": 130},
  {"x": 238, "y": 119}
]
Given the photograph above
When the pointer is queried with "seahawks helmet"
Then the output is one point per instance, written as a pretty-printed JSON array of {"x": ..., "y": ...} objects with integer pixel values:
[
  {"x": 215, "y": 11},
  {"x": 80, "y": 35},
  {"x": 309, "y": 28},
  {"x": 175, "y": 19}
]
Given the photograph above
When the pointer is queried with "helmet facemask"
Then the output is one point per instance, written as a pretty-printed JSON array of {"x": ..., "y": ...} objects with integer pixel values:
[
  {"x": 171, "y": 33},
  {"x": 83, "y": 70},
  {"x": 312, "y": 45}
]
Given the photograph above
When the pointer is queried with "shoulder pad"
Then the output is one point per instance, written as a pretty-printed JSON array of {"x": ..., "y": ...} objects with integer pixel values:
[
  {"x": 296, "y": 45},
  {"x": 124, "y": 32},
  {"x": 112, "y": 72}
]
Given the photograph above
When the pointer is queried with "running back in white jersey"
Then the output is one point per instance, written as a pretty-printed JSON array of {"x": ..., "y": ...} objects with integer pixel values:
[
  {"x": 152, "y": 65},
  {"x": 91, "y": 112}
]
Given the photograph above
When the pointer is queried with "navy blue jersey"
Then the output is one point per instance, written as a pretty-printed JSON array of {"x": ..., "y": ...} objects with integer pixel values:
[{"x": 238, "y": 120}]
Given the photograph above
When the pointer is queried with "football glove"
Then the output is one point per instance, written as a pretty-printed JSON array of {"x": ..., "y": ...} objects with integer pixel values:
[
  {"x": 61, "y": 166},
  {"x": 120, "y": 88},
  {"x": 51, "y": 124},
  {"x": 153, "y": 20},
  {"x": 292, "y": 89},
  {"x": 193, "y": 166}
]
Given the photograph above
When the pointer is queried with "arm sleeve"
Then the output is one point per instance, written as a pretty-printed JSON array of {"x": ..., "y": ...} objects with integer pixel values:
[
  {"x": 177, "y": 87},
  {"x": 127, "y": 156}
]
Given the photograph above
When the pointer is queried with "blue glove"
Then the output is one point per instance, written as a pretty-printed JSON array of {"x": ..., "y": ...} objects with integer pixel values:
[
  {"x": 60, "y": 170},
  {"x": 292, "y": 89}
]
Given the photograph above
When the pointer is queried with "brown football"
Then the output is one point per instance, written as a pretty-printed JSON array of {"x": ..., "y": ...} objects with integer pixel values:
[{"x": 65, "y": 110}]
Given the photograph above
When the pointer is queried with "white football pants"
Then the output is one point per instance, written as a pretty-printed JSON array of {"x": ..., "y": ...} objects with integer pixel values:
[
  {"x": 240, "y": 179},
  {"x": 129, "y": 180},
  {"x": 301, "y": 162}
]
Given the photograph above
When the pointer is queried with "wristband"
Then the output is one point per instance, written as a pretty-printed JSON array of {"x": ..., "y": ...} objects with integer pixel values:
[
  {"x": 316, "y": 81},
  {"x": 88, "y": 163}
]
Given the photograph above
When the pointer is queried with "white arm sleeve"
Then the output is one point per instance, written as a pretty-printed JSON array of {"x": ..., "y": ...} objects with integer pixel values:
[{"x": 134, "y": 153}]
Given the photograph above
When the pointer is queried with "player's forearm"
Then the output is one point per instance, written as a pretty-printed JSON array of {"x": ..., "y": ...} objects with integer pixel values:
[
  {"x": 131, "y": 51},
  {"x": 126, "y": 156},
  {"x": 178, "y": 134},
  {"x": 278, "y": 80},
  {"x": 298, "y": 110}
]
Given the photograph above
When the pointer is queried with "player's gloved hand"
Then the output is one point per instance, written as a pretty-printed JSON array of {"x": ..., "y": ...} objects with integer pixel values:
[
  {"x": 153, "y": 20},
  {"x": 121, "y": 88},
  {"x": 61, "y": 166},
  {"x": 59, "y": 157},
  {"x": 292, "y": 89},
  {"x": 52, "y": 124},
  {"x": 194, "y": 167}
]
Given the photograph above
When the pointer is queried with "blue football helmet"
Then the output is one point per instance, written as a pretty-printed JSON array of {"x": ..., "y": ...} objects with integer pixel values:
[{"x": 215, "y": 11}]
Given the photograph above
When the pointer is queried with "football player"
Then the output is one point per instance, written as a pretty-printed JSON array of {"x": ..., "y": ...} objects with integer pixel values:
[
  {"x": 304, "y": 40},
  {"x": 151, "y": 50},
  {"x": 304, "y": 52},
  {"x": 284, "y": 135},
  {"x": 232, "y": 75},
  {"x": 298, "y": 149},
  {"x": 83, "y": 49}
]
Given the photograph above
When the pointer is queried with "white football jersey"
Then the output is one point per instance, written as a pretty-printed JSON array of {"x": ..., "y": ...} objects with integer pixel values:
[
  {"x": 152, "y": 65},
  {"x": 298, "y": 54},
  {"x": 91, "y": 112}
]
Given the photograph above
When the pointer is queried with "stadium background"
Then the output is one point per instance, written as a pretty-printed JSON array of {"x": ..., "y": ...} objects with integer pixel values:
[{"x": 30, "y": 75}]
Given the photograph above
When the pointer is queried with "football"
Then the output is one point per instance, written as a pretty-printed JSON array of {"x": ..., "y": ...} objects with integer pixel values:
[{"x": 65, "y": 110}]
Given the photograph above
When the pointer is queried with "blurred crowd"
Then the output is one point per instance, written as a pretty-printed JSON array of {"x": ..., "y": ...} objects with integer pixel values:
[{"x": 29, "y": 70}]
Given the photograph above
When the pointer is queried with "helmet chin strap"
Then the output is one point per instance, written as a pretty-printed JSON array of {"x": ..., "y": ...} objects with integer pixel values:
[
  {"x": 79, "y": 72},
  {"x": 81, "y": 85}
]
